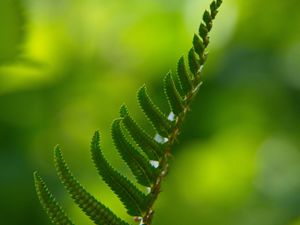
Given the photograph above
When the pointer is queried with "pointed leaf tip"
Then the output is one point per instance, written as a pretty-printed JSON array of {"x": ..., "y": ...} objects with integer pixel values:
[{"x": 123, "y": 110}]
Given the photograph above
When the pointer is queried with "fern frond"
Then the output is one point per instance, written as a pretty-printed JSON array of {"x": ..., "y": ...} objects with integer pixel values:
[
  {"x": 49, "y": 203},
  {"x": 133, "y": 199},
  {"x": 95, "y": 210},
  {"x": 180, "y": 91},
  {"x": 139, "y": 165},
  {"x": 150, "y": 147},
  {"x": 184, "y": 77},
  {"x": 173, "y": 96},
  {"x": 156, "y": 117}
]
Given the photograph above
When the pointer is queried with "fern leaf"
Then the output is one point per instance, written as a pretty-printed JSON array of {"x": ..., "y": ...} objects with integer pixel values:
[
  {"x": 180, "y": 91},
  {"x": 139, "y": 165},
  {"x": 214, "y": 8},
  {"x": 208, "y": 20},
  {"x": 150, "y": 147},
  {"x": 51, "y": 206},
  {"x": 219, "y": 3},
  {"x": 156, "y": 117},
  {"x": 184, "y": 77},
  {"x": 193, "y": 62},
  {"x": 173, "y": 96},
  {"x": 203, "y": 32},
  {"x": 96, "y": 211},
  {"x": 132, "y": 198},
  {"x": 198, "y": 45}
]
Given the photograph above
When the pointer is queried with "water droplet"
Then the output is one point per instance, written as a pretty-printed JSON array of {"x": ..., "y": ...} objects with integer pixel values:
[
  {"x": 160, "y": 139},
  {"x": 148, "y": 189},
  {"x": 154, "y": 163},
  {"x": 171, "y": 116}
]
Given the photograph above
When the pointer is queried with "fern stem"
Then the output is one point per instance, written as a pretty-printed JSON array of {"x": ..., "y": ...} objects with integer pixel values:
[
  {"x": 173, "y": 135},
  {"x": 164, "y": 162}
]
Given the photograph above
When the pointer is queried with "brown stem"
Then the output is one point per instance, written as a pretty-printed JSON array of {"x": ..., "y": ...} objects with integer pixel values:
[
  {"x": 164, "y": 162},
  {"x": 155, "y": 189}
]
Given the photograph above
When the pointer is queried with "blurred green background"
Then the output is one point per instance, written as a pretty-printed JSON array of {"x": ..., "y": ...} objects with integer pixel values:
[{"x": 66, "y": 67}]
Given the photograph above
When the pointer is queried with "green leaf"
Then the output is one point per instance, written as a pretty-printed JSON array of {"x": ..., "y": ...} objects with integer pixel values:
[
  {"x": 214, "y": 8},
  {"x": 96, "y": 211},
  {"x": 193, "y": 62},
  {"x": 198, "y": 45},
  {"x": 150, "y": 147},
  {"x": 173, "y": 95},
  {"x": 184, "y": 78},
  {"x": 49, "y": 203},
  {"x": 207, "y": 19},
  {"x": 141, "y": 168},
  {"x": 203, "y": 32},
  {"x": 219, "y": 3},
  {"x": 132, "y": 198},
  {"x": 157, "y": 118}
]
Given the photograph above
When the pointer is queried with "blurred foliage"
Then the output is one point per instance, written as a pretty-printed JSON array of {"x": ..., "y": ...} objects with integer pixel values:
[
  {"x": 12, "y": 25},
  {"x": 239, "y": 154}
]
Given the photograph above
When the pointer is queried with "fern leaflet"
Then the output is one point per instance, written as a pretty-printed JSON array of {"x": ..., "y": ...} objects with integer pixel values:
[
  {"x": 51, "y": 206},
  {"x": 92, "y": 208}
]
